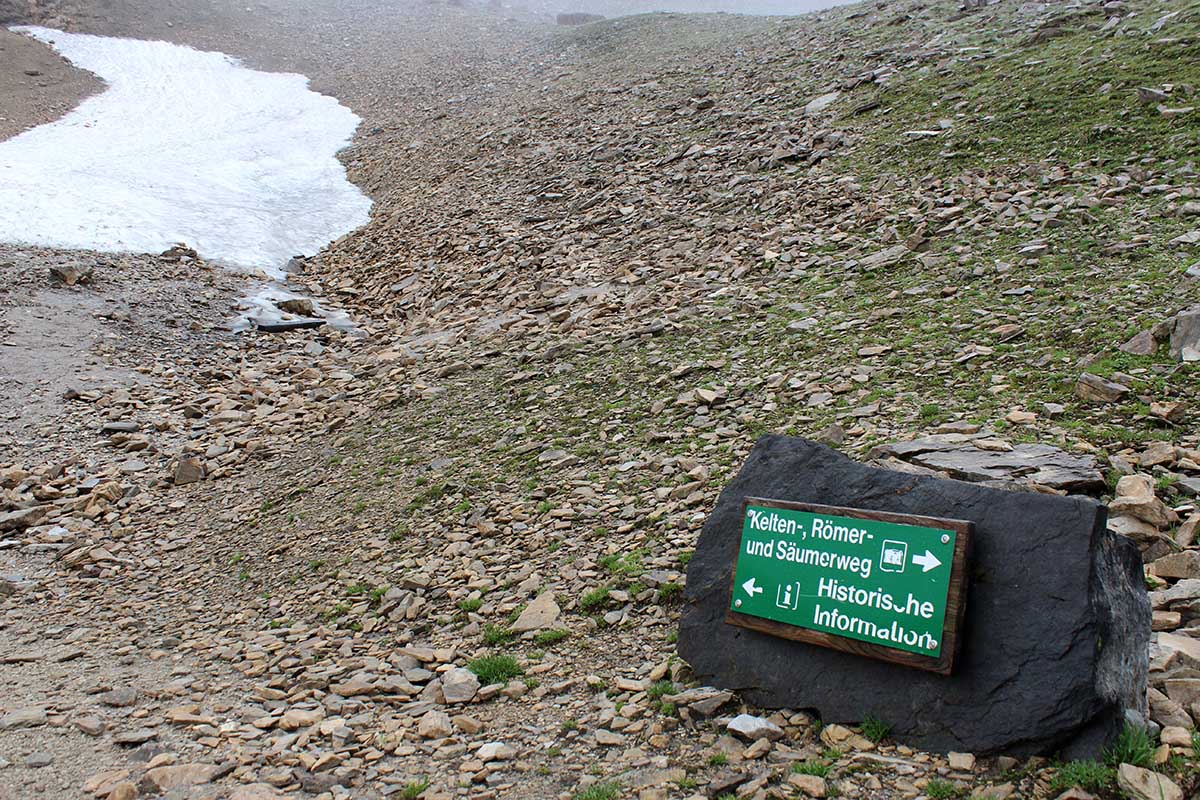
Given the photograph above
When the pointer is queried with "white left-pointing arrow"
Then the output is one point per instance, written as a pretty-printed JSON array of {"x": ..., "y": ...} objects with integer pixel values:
[
  {"x": 751, "y": 589},
  {"x": 927, "y": 561}
]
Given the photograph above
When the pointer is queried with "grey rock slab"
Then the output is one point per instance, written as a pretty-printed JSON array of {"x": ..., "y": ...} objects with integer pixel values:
[
  {"x": 434, "y": 725},
  {"x": 820, "y": 103},
  {"x": 1185, "y": 335},
  {"x": 1048, "y": 585},
  {"x": 23, "y": 718},
  {"x": 958, "y": 456},
  {"x": 752, "y": 728},
  {"x": 22, "y": 518},
  {"x": 541, "y": 613},
  {"x": 1141, "y": 344},
  {"x": 1184, "y": 591},
  {"x": 119, "y": 698},
  {"x": 1095, "y": 389},
  {"x": 135, "y": 737},
  {"x": 1143, "y": 784},
  {"x": 459, "y": 685},
  {"x": 495, "y": 751}
]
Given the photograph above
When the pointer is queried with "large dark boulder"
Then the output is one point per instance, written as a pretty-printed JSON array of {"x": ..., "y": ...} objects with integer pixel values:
[{"x": 1055, "y": 641}]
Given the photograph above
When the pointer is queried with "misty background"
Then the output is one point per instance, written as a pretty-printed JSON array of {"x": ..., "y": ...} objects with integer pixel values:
[{"x": 614, "y": 8}]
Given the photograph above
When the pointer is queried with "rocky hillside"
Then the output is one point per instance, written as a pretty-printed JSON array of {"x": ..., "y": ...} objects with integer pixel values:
[
  {"x": 938, "y": 174},
  {"x": 446, "y": 558}
]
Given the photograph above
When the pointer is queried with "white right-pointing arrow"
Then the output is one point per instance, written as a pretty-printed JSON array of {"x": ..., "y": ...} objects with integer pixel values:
[
  {"x": 751, "y": 589},
  {"x": 927, "y": 562}
]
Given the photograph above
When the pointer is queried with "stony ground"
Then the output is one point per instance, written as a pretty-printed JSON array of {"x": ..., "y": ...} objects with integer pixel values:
[
  {"x": 36, "y": 85},
  {"x": 445, "y": 556}
]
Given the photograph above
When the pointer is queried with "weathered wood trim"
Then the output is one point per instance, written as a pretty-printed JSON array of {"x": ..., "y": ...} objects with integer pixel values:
[{"x": 956, "y": 599}]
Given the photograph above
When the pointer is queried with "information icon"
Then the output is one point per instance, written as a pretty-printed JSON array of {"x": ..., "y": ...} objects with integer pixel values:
[
  {"x": 787, "y": 596},
  {"x": 894, "y": 556}
]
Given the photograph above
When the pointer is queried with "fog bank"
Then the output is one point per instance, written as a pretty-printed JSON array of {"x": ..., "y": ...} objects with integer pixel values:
[{"x": 613, "y": 8}]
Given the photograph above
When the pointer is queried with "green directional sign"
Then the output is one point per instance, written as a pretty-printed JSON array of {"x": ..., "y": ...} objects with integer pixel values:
[{"x": 882, "y": 585}]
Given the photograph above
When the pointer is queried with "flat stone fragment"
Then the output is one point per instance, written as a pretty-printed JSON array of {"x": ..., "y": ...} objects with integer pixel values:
[
  {"x": 1143, "y": 784},
  {"x": 23, "y": 718},
  {"x": 164, "y": 779},
  {"x": 1050, "y": 584},
  {"x": 541, "y": 613},
  {"x": 970, "y": 457},
  {"x": 820, "y": 103},
  {"x": 809, "y": 785},
  {"x": 1185, "y": 335},
  {"x": 1095, "y": 389},
  {"x": 1177, "y": 566},
  {"x": 135, "y": 737},
  {"x": 607, "y": 738},
  {"x": 459, "y": 685},
  {"x": 21, "y": 518},
  {"x": 750, "y": 728},
  {"x": 495, "y": 751}
]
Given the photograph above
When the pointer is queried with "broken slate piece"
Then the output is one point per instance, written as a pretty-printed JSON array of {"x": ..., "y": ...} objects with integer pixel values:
[{"x": 964, "y": 456}]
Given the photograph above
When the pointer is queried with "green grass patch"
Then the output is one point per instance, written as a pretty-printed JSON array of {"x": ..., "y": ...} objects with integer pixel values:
[
  {"x": 609, "y": 790},
  {"x": 547, "y": 638},
  {"x": 1133, "y": 746},
  {"x": 813, "y": 766},
  {"x": 669, "y": 592},
  {"x": 414, "y": 789},
  {"x": 1091, "y": 776},
  {"x": 497, "y": 634},
  {"x": 875, "y": 729},
  {"x": 497, "y": 668},
  {"x": 595, "y": 599},
  {"x": 625, "y": 565},
  {"x": 942, "y": 789}
]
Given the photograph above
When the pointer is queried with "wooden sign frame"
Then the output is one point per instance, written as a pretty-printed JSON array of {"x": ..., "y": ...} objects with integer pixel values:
[{"x": 956, "y": 599}]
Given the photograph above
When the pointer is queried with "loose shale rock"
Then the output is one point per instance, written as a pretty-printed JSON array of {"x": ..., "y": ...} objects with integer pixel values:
[
  {"x": 967, "y": 457},
  {"x": 1049, "y": 585}
]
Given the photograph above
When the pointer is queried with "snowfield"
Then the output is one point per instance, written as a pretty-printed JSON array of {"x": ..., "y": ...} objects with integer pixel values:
[{"x": 183, "y": 146}]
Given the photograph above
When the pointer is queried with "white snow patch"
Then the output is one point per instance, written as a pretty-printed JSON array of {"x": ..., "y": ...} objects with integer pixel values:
[{"x": 183, "y": 146}]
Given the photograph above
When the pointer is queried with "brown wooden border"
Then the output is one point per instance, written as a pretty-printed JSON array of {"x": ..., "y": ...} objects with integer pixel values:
[{"x": 956, "y": 599}]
